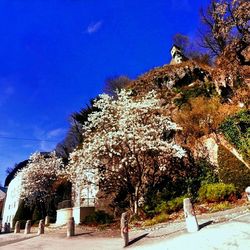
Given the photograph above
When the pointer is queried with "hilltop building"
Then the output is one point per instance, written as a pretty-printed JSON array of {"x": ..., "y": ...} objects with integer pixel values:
[{"x": 177, "y": 55}]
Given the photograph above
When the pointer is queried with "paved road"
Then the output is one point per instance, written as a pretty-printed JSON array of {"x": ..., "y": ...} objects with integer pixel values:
[{"x": 233, "y": 234}]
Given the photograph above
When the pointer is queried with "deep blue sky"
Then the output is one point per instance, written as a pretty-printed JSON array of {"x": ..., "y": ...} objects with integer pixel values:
[{"x": 56, "y": 54}]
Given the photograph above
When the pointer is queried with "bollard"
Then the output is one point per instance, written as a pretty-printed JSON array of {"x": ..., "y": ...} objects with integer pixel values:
[
  {"x": 71, "y": 227},
  {"x": 47, "y": 220},
  {"x": 124, "y": 228},
  {"x": 5, "y": 228},
  {"x": 191, "y": 221},
  {"x": 247, "y": 190},
  {"x": 8, "y": 227},
  {"x": 27, "y": 227},
  {"x": 17, "y": 227},
  {"x": 41, "y": 227}
]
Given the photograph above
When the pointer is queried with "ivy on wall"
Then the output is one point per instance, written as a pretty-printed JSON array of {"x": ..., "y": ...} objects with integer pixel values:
[
  {"x": 236, "y": 130},
  {"x": 232, "y": 170}
]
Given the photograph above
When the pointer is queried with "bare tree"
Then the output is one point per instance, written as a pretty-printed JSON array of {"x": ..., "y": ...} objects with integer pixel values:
[
  {"x": 225, "y": 24},
  {"x": 191, "y": 49},
  {"x": 116, "y": 83}
]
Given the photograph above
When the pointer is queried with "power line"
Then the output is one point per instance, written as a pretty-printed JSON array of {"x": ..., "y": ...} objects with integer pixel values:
[{"x": 24, "y": 139}]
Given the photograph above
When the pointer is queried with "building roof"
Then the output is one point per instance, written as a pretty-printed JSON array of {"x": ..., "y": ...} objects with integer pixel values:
[
  {"x": 174, "y": 45},
  {"x": 3, "y": 189}
]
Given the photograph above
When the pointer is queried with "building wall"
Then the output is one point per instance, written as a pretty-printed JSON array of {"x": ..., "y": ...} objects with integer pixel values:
[{"x": 12, "y": 200}]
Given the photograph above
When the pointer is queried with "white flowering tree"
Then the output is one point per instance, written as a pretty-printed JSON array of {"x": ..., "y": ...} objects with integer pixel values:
[
  {"x": 127, "y": 142},
  {"x": 39, "y": 176}
]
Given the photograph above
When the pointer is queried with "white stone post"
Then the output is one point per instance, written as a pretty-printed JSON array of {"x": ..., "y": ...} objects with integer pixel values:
[
  {"x": 47, "y": 220},
  {"x": 191, "y": 221},
  {"x": 71, "y": 227},
  {"x": 41, "y": 227},
  {"x": 17, "y": 227},
  {"x": 247, "y": 190},
  {"x": 27, "y": 227},
  {"x": 124, "y": 228}
]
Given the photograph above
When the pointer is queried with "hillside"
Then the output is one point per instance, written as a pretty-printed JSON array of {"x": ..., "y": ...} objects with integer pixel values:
[{"x": 191, "y": 92}]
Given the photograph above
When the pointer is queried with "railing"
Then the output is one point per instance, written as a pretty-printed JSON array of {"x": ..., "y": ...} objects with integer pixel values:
[
  {"x": 64, "y": 204},
  {"x": 85, "y": 202},
  {"x": 88, "y": 202}
]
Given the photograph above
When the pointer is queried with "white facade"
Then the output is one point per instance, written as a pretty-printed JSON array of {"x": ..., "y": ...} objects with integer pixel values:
[
  {"x": 12, "y": 200},
  {"x": 84, "y": 196},
  {"x": 177, "y": 56}
]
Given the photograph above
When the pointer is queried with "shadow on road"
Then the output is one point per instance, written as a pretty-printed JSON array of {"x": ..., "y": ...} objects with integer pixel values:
[
  {"x": 15, "y": 240},
  {"x": 205, "y": 224},
  {"x": 137, "y": 239},
  {"x": 89, "y": 233}
]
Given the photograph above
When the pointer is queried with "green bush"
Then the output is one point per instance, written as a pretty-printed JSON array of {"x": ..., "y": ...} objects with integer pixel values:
[
  {"x": 135, "y": 217},
  {"x": 160, "y": 218},
  {"x": 207, "y": 172},
  {"x": 232, "y": 170},
  {"x": 98, "y": 217},
  {"x": 206, "y": 90},
  {"x": 220, "y": 206},
  {"x": 171, "y": 206},
  {"x": 216, "y": 192}
]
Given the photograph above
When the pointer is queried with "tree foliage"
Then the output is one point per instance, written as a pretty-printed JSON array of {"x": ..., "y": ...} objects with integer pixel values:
[
  {"x": 38, "y": 177},
  {"x": 129, "y": 142},
  {"x": 202, "y": 116},
  {"x": 191, "y": 49},
  {"x": 226, "y": 23},
  {"x": 75, "y": 134}
]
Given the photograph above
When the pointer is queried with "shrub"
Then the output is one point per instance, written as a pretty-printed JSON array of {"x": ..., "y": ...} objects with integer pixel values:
[
  {"x": 220, "y": 206},
  {"x": 171, "y": 206},
  {"x": 207, "y": 172},
  {"x": 232, "y": 170},
  {"x": 205, "y": 90},
  {"x": 160, "y": 218},
  {"x": 216, "y": 192},
  {"x": 135, "y": 217},
  {"x": 202, "y": 116},
  {"x": 98, "y": 217}
]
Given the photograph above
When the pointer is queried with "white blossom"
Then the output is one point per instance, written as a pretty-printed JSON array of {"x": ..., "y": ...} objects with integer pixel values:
[
  {"x": 126, "y": 134},
  {"x": 38, "y": 176}
]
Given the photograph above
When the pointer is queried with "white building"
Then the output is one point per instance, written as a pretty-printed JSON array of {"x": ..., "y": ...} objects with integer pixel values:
[
  {"x": 83, "y": 198},
  {"x": 2, "y": 199},
  {"x": 177, "y": 55},
  {"x": 12, "y": 200}
]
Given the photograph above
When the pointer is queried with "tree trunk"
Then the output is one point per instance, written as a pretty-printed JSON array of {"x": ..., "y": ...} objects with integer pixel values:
[{"x": 136, "y": 199}]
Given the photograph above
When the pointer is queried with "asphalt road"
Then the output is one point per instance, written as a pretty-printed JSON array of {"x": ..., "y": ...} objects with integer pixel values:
[{"x": 233, "y": 234}]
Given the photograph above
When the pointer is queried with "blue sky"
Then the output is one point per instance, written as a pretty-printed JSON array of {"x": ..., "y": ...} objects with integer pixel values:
[{"x": 56, "y": 54}]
